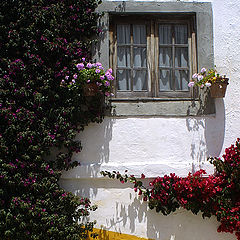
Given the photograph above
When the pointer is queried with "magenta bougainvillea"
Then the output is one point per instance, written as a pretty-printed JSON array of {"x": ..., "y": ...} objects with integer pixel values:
[
  {"x": 39, "y": 42},
  {"x": 214, "y": 195}
]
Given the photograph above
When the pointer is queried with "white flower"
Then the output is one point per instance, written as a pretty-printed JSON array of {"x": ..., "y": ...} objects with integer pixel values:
[
  {"x": 207, "y": 84},
  {"x": 203, "y": 70}
]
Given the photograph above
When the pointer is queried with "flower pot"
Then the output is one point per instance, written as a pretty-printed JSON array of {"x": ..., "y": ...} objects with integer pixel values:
[
  {"x": 218, "y": 88},
  {"x": 91, "y": 89}
]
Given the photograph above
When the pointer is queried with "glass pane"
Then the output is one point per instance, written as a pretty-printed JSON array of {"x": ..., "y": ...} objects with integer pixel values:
[
  {"x": 123, "y": 34},
  {"x": 139, "y": 34},
  {"x": 123, "y": 78},
  {"x": 181, "y": 80},
  {"x": 165, "y": 57},
  {"x": 165, "y": 79},
  {"x": 181, "y": 34},
  {"x": 139, "y": 57},
  {"x": 139, "y": 80},
  {"x": 181, "y": 57},
  {"x": 123, "y": 57},
  {"x": 165, "y": 36}
]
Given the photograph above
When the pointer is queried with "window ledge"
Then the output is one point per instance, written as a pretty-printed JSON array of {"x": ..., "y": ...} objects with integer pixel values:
[{"x": 161, "y": 107}]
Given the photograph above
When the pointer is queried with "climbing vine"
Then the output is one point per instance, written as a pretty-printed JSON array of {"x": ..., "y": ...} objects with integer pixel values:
[
  {"x": 216, "y": 195},
  {"x": 41, "y": 42}
]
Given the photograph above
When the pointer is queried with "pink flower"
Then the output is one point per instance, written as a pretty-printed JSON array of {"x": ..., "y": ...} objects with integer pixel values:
[
  {"x": 191, "y": 84},
  {"x": 195, "y": 76}
]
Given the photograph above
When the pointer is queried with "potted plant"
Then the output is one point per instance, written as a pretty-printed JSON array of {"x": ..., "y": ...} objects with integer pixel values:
[
  {"x": 216, "y": 83},
  {"x": 90, "y": 77}
]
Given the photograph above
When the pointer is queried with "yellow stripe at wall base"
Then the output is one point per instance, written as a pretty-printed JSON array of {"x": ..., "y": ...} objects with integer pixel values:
[{"x": 109, "y": 235}]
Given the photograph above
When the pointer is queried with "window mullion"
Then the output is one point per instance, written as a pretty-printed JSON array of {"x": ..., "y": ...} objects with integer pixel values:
[
  {"x": 173, "y": 59},
  {"x": 131, "y": 56}
]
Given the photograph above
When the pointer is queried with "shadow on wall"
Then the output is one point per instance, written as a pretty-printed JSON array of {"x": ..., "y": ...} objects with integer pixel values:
[
  {"x": 95, "y": 141},
  {"x": 210, "y": 141}
]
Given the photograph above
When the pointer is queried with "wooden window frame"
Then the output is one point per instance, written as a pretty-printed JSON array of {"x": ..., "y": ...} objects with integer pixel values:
[{"x": 151, "y": 21}]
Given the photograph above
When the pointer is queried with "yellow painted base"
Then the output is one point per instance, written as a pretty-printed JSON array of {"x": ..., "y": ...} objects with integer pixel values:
[{"x": 109, "y": 235}]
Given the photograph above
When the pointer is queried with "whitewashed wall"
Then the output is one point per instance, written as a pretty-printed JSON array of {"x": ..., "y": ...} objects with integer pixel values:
[{"x": 157, "y": 146}]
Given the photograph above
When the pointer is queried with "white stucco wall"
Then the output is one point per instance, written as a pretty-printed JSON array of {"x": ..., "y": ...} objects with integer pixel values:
[{"x": 160, "y": 145}]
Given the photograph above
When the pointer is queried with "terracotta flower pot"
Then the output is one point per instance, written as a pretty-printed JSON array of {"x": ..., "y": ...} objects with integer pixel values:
[{"x": 218, "y": 88}]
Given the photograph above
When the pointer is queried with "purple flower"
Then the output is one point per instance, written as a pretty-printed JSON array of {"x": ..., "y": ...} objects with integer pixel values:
[
  {"x": 207, "y": 84},
  {"x": 83, "y": 59},
  {"x": 107, "y": 94},
  {"x": 66, "y": 77},
  {"x": 89, "y": 65},
  {"x": 88, "y": 81},
  {"x": 75, "y": 76},
  {"x": 80, "y": 66},
  {"x": 98, "y": 64},
  {"x": 102, "y": 77},
  {"x": 107, "y": 83},
  {"x": 203, "y": 70},
  {"x": 110, "y": 70},
  {"x": 97, "y": 71},
  {"x": 63, "y": 81},
  {"x": 73, "y": 81}
]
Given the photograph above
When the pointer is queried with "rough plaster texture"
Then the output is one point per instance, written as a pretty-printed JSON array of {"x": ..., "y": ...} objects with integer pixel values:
[{"x": 160, "y": 145}]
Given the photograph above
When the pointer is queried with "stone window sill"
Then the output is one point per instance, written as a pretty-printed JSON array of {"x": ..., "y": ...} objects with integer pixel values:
[{"x": 175, "y": 107}]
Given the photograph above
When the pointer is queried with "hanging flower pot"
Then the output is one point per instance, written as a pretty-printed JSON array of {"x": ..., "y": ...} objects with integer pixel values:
[
  {"x": 216, "y": 83},
  {"x": 218, "y": 88},
  {"x": 91, "y": 89}
]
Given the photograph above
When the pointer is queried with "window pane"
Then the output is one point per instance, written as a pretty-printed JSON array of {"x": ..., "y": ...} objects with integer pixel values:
[
  {"x": 123, "y": 78},
  {"x": 181, "y": 34},
  {"x": 139, "y": 80},
  {"x": 165, "y": 57},
  {"x": 139, "y": 57},
  {"x": 181, "y": 80},
  {"x": 165, "y": 36},
  {"x": 139, "y": 34},
  {"x": 123, "y": 34},
  {"x": 123, "y": 57},
  {"x": 181, "y": 57},
  {"x": 165, "y": 80}
]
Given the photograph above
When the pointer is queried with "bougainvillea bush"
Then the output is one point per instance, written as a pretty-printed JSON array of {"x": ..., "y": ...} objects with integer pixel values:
[
  {"x": 215, "y": 195},
  {"x": 41, "y": 41}
]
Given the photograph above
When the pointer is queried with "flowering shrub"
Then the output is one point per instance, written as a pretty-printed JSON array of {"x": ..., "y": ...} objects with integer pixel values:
[
  {"x": 206, "y": 78},
  {"x": 217, "y": 195},
  {"x": 89, "y": 73},
  {"x": 39, "y": 42}
]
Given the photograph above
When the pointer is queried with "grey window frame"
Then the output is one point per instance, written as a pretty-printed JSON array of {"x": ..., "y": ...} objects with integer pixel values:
[{"x": 195, "y": 105}]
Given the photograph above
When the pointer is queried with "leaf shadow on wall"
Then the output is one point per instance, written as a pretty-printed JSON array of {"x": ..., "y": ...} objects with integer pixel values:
[{"x": 207, "y": 135}]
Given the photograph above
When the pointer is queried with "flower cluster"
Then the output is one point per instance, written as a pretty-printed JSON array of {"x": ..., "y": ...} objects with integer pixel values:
[
  {"x": 87, "y": 73},
  {"x": 206, "y": 78},
  {"x": 217, "y": 195}
]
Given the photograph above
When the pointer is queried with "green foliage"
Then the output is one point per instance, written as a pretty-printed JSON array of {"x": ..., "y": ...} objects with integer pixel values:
[{"x": 40, "y": 41}]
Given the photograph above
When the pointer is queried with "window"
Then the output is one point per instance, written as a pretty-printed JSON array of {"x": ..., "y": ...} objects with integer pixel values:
[
  {"x": 152, "y": 59},
  {"x": 152, "y": 56}
]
